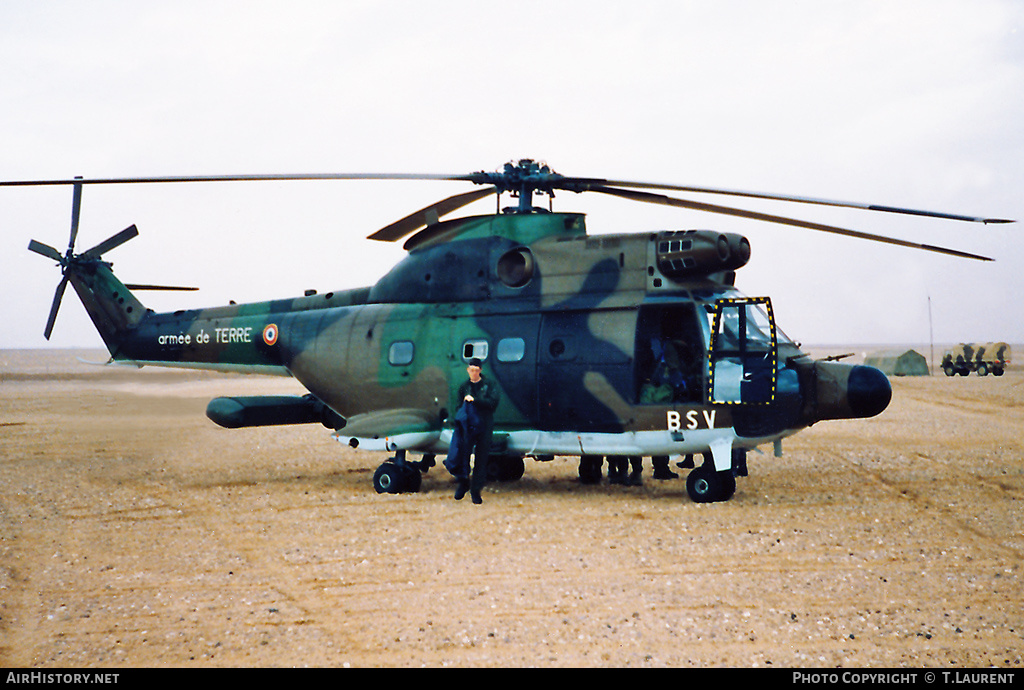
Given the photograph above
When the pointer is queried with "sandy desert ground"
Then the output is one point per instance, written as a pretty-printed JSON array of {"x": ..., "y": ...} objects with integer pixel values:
[{"x": 136, "y": 533}]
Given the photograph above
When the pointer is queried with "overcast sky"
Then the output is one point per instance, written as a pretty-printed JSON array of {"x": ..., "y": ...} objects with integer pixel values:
[{"x": 916, "y": 104}]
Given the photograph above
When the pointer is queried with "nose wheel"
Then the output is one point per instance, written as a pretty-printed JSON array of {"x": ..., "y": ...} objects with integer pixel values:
[{"x": 705, "y": 485}]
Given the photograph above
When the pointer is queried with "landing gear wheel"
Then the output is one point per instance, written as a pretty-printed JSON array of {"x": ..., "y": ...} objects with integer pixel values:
[
  {"x": 705, "y": 485},
  {"x": 391, "y": 478},
  {"x": 388, "y": 479}
]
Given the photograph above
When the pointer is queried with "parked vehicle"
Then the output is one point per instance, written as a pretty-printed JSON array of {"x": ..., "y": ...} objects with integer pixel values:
[{"x": 984, "y": 358}]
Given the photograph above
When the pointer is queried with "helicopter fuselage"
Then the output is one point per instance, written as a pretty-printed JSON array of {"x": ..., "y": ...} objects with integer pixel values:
[
  {"x": 612, "y": 345},
  {"x": 626, "y": 344}
]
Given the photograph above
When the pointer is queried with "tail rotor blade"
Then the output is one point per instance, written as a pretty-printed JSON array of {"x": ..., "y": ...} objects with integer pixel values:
[
  {"x": 45, "y": 249},
  {"x": 57, "y": 297},
  {"x": 76, "y": 212},
  {"x": 111, "y": 242}
]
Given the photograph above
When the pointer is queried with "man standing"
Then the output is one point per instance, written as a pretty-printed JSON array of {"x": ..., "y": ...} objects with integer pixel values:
[{"x": 483, "y": 395}]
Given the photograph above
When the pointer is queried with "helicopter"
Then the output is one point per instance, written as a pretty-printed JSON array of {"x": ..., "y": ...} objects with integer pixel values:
[{"x": 609, "y": 346}]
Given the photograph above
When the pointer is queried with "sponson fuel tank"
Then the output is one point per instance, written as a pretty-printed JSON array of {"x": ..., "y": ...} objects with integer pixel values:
[{"x": 271, "y": 410}]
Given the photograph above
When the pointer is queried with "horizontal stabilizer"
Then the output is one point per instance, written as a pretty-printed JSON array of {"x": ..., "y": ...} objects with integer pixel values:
[{"x": 171, "y": 288}]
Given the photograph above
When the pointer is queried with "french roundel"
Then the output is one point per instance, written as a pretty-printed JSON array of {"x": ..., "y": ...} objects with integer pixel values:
[{"x": 270, "y": 334}]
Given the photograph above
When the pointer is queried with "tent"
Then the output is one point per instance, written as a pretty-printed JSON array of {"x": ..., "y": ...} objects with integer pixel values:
[{"x": 899, "y": 363}]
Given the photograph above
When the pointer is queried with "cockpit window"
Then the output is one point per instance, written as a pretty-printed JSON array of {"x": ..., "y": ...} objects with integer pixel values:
[
  {"x": 755, "y": 315},
  {"x": 744, "y": 355},
  {"x": 754, "y": 330}
]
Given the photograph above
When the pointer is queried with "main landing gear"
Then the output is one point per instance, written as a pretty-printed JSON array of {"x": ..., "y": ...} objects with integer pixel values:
[
  {"x": 398, "y": 475},
  {"x": 704, "y": 484}
]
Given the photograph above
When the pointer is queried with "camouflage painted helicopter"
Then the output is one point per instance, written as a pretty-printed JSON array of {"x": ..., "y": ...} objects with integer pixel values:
[{"x": 611, "y": 346}]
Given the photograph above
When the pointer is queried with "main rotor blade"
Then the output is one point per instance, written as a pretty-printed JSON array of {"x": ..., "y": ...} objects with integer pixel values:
[
  {"x": 76, "y": 212},
  {"x": 234, "y": 178},
  {"x": 45, "y": 249},
  {"x": 592, "y": 185},
  {"x": 111, "y": 242},
  {"x": 57, "y": 297},
  {"x": 429, "y": 215},
  {"x": 550, "y": 181},
  {"x": 753, "y": 215}
]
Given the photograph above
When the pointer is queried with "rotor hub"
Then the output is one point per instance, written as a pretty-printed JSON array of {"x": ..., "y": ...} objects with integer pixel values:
[{"x": 522, "y": 180}]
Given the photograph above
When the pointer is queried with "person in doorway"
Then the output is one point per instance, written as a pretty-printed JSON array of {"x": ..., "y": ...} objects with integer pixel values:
[{"x": 483, "y": 396}]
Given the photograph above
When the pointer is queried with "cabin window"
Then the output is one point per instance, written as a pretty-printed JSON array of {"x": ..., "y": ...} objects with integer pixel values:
[
  {"x": 474, "y": 349},
  {"x": 511, "y": 349},
  {"x": 670, "y": 351},
  {"x": 401, "y": 353}
]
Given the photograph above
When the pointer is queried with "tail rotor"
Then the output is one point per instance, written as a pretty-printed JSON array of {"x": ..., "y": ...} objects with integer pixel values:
[
  {"x": 57, "y": 297},
  {"x": 69, "y": 260}
]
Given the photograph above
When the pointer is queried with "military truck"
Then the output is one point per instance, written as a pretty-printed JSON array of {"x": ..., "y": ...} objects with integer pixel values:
[{"x": 984, "y": 358}]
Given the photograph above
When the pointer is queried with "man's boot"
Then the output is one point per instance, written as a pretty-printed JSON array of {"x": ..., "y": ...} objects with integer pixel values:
[
  {"x": 661, "y": 470},
  {"x": 616, "y": 469}
]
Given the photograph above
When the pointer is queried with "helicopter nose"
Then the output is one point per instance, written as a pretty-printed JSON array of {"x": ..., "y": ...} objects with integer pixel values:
[
  {"x": 868, "y": 391},
  {"x": 850, "y": 391}
]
